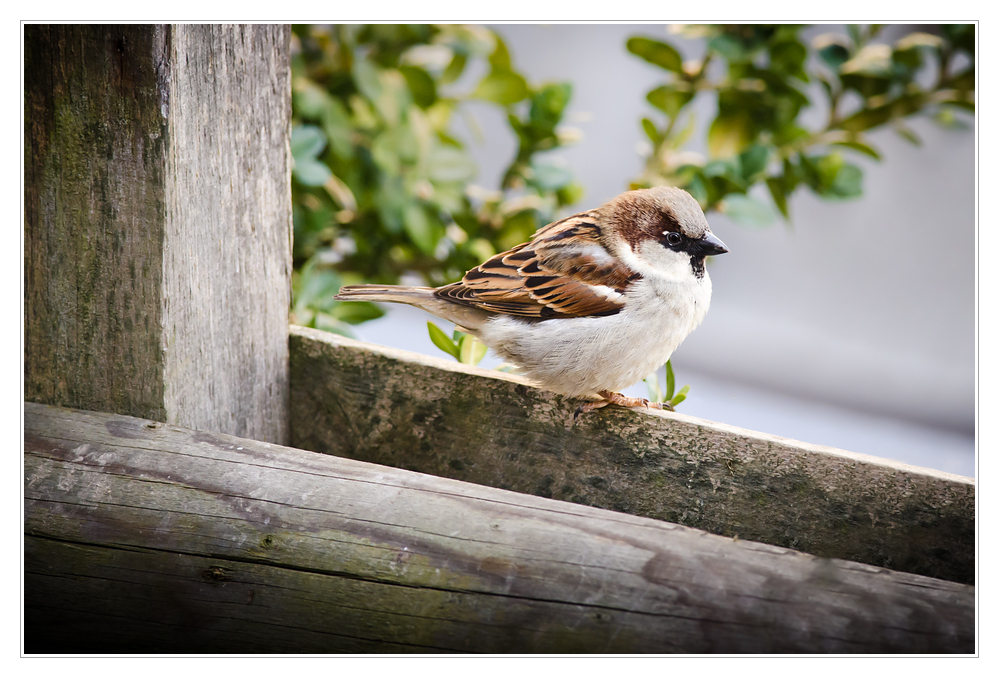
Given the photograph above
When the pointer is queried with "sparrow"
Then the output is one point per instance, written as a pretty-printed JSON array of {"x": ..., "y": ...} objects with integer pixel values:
[{"x": 592, "y": 303}]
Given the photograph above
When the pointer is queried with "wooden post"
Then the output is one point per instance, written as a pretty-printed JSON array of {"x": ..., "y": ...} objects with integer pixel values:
[
  {"x": 141, "y": 537},
  {"x": 158, "y": 223}
]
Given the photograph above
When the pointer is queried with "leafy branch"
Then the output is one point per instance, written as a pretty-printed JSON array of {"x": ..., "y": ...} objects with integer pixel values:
[
  {"x": 381, "y": 187},
  {"x": 757, "y": 137}
]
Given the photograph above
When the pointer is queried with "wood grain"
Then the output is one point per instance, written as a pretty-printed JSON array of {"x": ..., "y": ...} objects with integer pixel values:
[
  {"x": 158, "y": 222},
  {"x": 436, "y": 416},
  {"x": 144, "y": 537}
]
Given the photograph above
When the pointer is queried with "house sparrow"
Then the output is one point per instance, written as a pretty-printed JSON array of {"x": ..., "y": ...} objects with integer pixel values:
[{"x": 593, "y": 303}]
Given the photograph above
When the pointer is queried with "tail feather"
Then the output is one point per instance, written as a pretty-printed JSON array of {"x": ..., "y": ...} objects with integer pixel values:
[
  {"x": 402, "y": 294},
  {"x": 422, "y": 297}
]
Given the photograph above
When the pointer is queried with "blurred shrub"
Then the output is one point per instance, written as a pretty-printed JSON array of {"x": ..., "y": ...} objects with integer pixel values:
[
  {"x": 381, "y": 186},
  {"x": 768, "y": 78}
]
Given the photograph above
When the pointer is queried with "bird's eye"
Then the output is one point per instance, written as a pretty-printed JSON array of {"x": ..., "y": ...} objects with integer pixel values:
[{"x": 673, "y": 238}]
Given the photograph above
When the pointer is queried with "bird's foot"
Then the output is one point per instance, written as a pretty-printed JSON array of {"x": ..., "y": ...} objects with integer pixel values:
[
  {"x": 612, "y": 398},
  {"x": 589, "y": 406},
  {"x": 625, "y": 401}
]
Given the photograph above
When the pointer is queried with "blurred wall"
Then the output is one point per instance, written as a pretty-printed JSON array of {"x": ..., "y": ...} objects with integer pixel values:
[{"x": 866, "y": 303}]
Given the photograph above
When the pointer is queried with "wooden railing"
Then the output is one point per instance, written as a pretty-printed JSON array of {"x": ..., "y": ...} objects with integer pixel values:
[{"x": 437, "y": 416}]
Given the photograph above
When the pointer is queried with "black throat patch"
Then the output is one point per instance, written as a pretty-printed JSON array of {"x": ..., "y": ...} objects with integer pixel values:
[{"x": 697, "y": 265}]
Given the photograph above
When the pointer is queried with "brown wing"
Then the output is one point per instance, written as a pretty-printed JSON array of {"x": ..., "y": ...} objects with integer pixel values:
[{"x": 563, "y": 272}]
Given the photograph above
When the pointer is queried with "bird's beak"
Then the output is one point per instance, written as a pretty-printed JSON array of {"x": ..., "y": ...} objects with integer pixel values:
[{"x": 710, "y": 245}]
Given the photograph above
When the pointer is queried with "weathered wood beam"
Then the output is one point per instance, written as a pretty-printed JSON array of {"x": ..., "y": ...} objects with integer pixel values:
[
  {"x": 144, "y": 537},
  {"x": 158, "y": 222},
  {"x": 436, "y": 416}
]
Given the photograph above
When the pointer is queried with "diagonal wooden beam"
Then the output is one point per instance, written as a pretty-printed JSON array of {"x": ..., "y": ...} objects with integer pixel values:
[{"x": 144, "y": 537}]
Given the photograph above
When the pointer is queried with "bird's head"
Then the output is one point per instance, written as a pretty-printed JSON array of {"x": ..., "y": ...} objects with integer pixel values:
[{"x": 662, "y": 228}]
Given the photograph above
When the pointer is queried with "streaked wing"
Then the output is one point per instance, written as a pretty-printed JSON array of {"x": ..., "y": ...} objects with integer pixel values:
[{"x": 563, "y": 272}]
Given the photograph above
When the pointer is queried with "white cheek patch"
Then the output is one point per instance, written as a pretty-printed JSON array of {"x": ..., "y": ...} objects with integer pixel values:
[{"x": 652, "y": 259}]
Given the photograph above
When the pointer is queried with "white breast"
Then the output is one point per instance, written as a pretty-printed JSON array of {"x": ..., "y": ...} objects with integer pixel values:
[{"x": 580, "y": 356}]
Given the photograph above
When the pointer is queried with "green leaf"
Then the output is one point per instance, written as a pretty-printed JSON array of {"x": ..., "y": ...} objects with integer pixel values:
[
  {"x": 867, "y": 118},
  {"x": 470, "y": 350},
  {"x": 748, "y": 210},
  {"x": 420, "y": 84},
  {"x": 310, "y": 100},
  {"x": 698, "y": 190},
  {"x": 337, "y": 126},
  {"x": 680, "y": 138},
  {"x": 848, "y": 182},
  {"x": 391, "y": 201},
  {"x": 652, "y": 383},
  {"x": 965, "y": 80},
  {"x": 656, "y": 53},
  {"x": 548, "y": 105},
  {"x": 500, "y": 58},
  {"x": 316, "y": 287},
  {"x": 729, "y": 47},
  {"x": 550, "y": 177},
  {"x": 669, "y": 99},
  {"x": 779, "y": 194},
  {"x": 517, "y": 228},
  {"x": 962, "y": 36},
  {"x": 726, "y": 174},
  {"x": 356, "y": 312},
  {"x": 569, "y": 194},
  {"x": 788, "y": 56},
  {"x": 861, "y": 147},
  {"x": 963, "y": 105},
  {"x": 366, "y": 78},
  {"x": 307, "y": 141},
  {"x": 728, "y": 135},
  {"x": 670, "y": 381},
  {"x": 447, "y": 163},
  {"x": 309, "y": 172},
  {"x": 650, "y": 130},
  {"x": 834, "y": 55},
  {"x": 419, "y": 228},
  {"x": 454, "y": 69},
  {"x": 870, "y": 60},
  {"x": 867, "y": 85},
  {"x": 945, "y": 118},
  {"x": 907, "y": 134},
  {"x": 502, "y": 87},
  {"x": 753, "y": 161},
  {"x": 442, "y": 341},
  {"x": 918, "y": 40},
  {"x": 677, "y": 399}
]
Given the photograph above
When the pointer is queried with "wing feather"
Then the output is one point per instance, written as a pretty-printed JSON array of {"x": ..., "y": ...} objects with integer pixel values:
[{"x": 563, "y": 272}]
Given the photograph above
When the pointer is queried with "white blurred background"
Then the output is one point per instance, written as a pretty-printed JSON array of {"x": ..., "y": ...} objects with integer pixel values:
[{"x": 852, "y": 327}]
